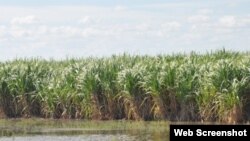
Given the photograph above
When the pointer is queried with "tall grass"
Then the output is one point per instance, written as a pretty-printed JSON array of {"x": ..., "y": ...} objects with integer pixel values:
[{"x": 195, "y": 87}]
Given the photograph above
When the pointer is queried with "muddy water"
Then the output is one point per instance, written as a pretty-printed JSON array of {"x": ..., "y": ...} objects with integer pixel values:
[
  {"x": 71, "y": 138},
  {"x": 71, "y": 130}
]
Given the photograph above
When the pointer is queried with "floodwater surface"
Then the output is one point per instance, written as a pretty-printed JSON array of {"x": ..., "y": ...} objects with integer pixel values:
[{"x": 82, "y": 130}]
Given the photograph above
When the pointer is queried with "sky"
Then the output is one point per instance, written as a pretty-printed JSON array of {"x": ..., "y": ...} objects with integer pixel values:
[{"x": 79, "y": 28}]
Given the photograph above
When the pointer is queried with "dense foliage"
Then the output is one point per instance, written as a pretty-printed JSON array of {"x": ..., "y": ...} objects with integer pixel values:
[{"x": 194, "y": 87}]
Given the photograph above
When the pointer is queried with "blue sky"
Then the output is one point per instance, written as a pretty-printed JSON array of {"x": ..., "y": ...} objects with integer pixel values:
[
  {"x": 88, "y": 2},
  {"x": 78, "y": 28}
]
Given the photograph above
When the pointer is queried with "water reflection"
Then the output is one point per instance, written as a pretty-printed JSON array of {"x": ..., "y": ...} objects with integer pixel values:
[
  {"x": 70, "y": 138},
  {"x": 82, "y": 131}
]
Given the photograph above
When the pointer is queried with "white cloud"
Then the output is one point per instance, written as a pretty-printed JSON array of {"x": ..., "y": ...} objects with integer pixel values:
[
  {"x": 2, "y": 30},
  {"x": 234, "y": 21},
  {"x": 19, "y": 32},
  {"x": 244, "y": 22},
  {"x": 189, "y": 38},
  {"x": 120, "y": 8},
  {"x": 65, "y": 31},
  {"x": 89, "y": 32},
  {"x": 78, "y": 29},
  {"x": 169, "y": 5},
  {"x": 24, "y": 20},
  {"x": 205, "y": 11},
  {"x": 198, "y": 18},
  {"x": 42, "y": 30},
  {"x": 172, "y": 25},
  {"x": 85, "y": 20},
  {"x": 203, "y": 27},
  {"x": 3, "y": 33},
  {"x": 142, "y": 27},
  {"x": 227, "y": 21}
]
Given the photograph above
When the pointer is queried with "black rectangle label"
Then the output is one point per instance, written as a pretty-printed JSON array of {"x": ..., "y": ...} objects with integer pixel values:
[{"x": 198, "y": 132}]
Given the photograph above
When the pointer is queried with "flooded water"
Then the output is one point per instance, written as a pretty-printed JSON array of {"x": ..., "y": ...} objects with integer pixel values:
[{"x": 76, "y": 130}]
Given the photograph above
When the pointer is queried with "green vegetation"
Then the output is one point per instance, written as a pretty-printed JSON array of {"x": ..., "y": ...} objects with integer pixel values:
[{"x": 195, "y": 87}]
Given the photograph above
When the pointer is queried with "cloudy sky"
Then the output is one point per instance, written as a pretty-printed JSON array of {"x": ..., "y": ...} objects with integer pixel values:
[{"x": 81, "y": 28}]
